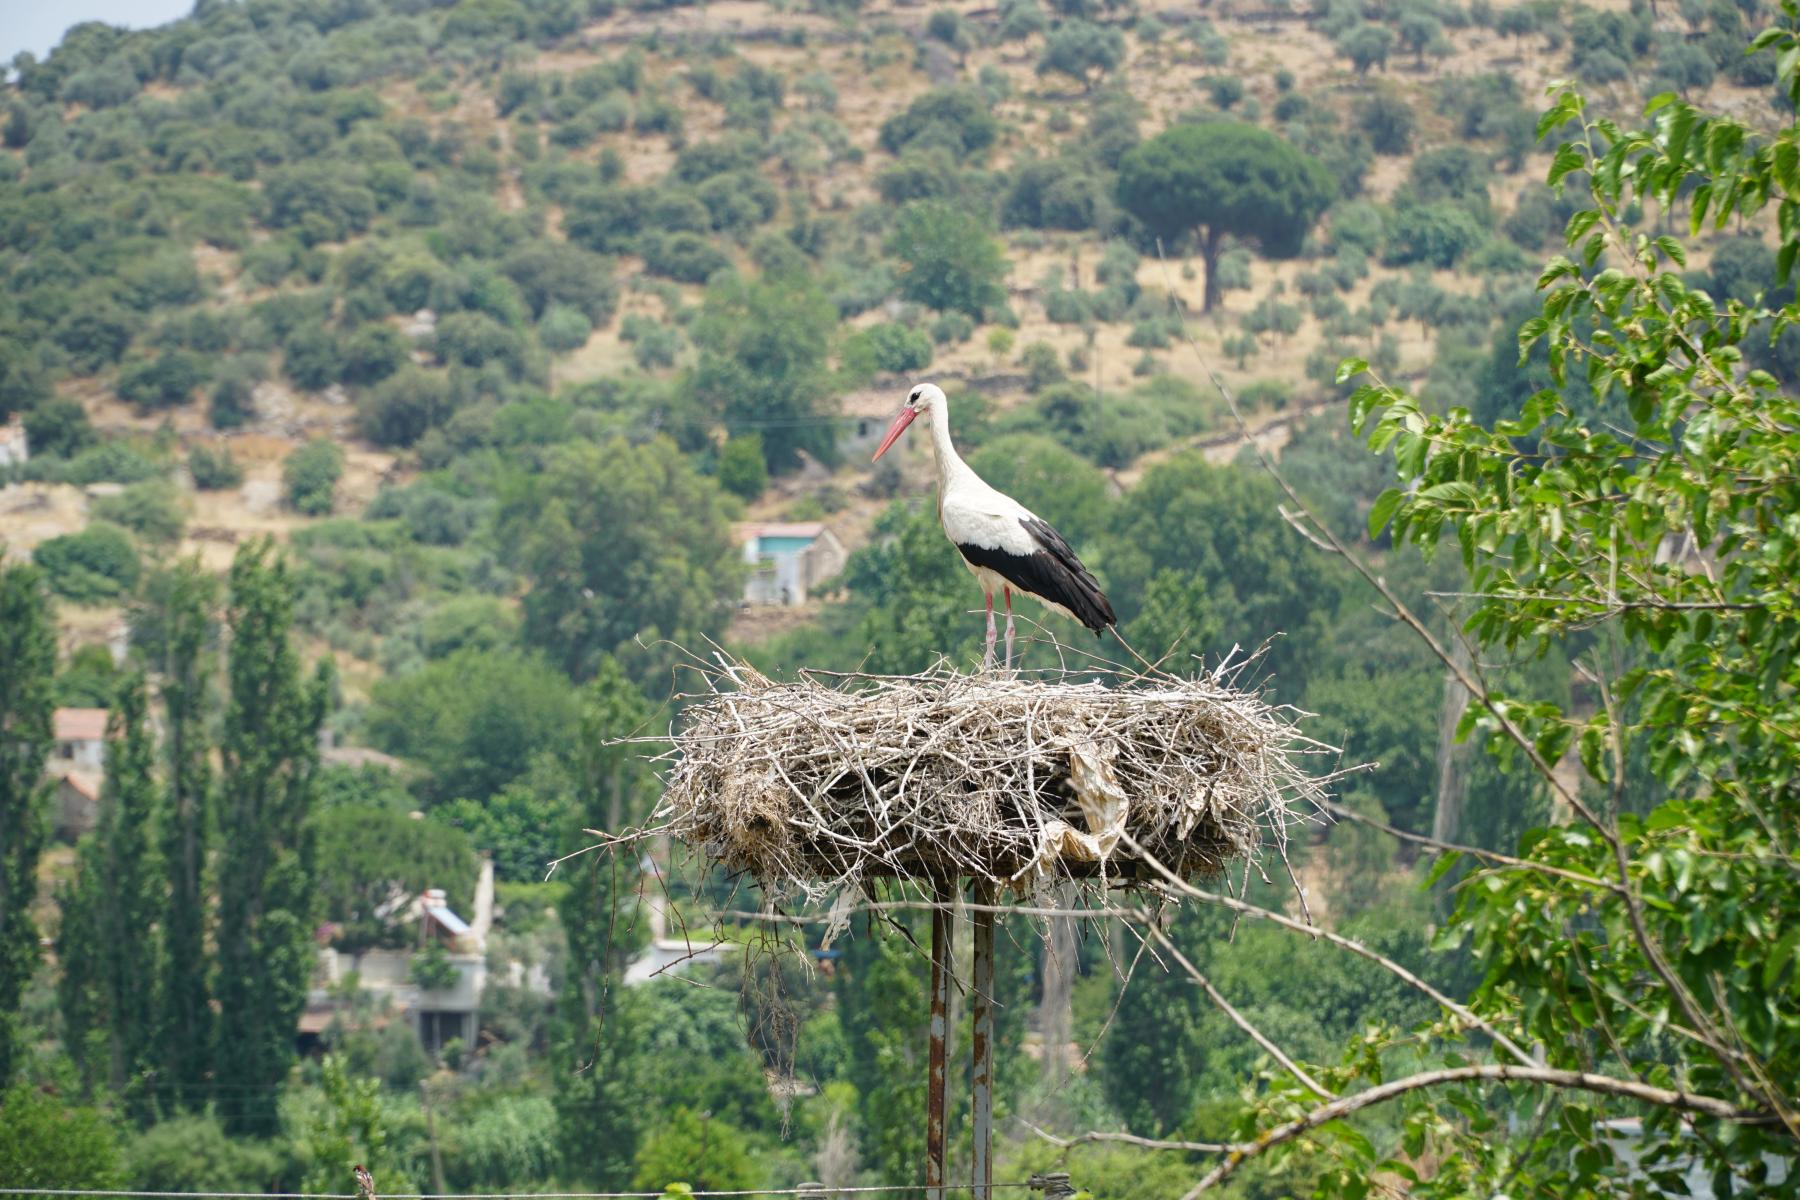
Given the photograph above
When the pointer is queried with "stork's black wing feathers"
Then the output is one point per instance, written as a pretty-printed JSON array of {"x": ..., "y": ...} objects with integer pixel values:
[{"x": 1053, "y": 573}]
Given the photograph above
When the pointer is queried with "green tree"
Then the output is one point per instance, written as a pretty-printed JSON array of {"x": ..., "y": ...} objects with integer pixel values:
[
  {"x": 914, "y": 594},
  {"x": 347, "y": 1128},
  {"x": 762, "y": 365},
  {"x": 474, "y": 720},
  {"x": 184, "y": 600},
  {"x": 59, "y": 427},
  {"x": 267, "y": 903},
  {"x": 697, "y": 1149},
  {"x": 1649, "y": 922},
  {"x": 1388, "y": 121},
  {"x": 883, "y": 1008},
  {"x": 117, "y": 901},
  {"x": 48, "y": 1144},
  {"x": 151, "y": 508},
  {"x": 90, "y": 567},
  {"x": 1218, "y": 179},
  {"x": 366, "y": 854},
  {"x": 1419, "y": 31},
  {"x": 743, "y": 470},
  {"x": 959, "y": 119},
  {"x": 599, "y": 1096},
  {"x": 310, "y": 475},
  {"x": 192, "y": 1154},
  {"x": 27, "y": 665},
  {"x": 1182, "y": 541},
  {"x": 624, "y": 545},
  {"x": 1079, "y": 48},
  {"x": 1150, "y": 1063},
  {"x": 1366, "y": 45},
  {"x": 167, "y": 381},
  {"x": 953, "y": 263}
]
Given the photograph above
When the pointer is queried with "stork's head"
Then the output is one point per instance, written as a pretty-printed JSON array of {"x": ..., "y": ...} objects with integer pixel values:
[{"x": 923, "y": 400}]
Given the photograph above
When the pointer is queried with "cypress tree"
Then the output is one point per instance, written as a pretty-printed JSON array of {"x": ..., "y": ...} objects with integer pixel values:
[
  {"x": 599, "y": 1097},
  {"x": 186, "y": 628},
  {"x": 27, "y": 663},
  {"x": 269, "y": 753},
  {"x": 111, "y": 936}
]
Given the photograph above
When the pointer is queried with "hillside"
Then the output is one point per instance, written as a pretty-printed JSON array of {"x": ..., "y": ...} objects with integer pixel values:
[{"x": 393, "y": 229}]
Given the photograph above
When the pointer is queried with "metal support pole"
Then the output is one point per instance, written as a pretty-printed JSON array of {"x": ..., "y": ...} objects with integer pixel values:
[
  {"x": 937, "y": 1085},
  {"x": 982, "y": 1083}
]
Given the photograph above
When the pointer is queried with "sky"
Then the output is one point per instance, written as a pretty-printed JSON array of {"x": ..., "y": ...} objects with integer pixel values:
[{"x": 37, "y": 25}]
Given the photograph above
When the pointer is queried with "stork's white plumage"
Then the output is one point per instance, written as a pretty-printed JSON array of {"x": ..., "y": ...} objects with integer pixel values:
[{"x": 1006, "y": 546}]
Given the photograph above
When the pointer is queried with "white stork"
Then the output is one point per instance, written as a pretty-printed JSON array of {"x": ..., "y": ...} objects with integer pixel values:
[{"x": 1006, "y": 546}]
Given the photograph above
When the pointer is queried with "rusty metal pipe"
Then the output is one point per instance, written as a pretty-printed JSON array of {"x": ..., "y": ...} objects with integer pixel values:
[
  {"x": 982, "y": 1076},
  {"x": 937, "y": 1085}
]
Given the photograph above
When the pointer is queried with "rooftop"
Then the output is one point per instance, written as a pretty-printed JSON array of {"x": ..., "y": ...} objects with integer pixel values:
[
  {"x": 782, "y": 529},
  {"x": 79, "y": 724}
]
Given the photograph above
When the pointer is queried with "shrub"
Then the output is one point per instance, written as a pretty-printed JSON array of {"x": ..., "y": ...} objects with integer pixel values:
[
  {"x": 166, "y": 381},
  {"x": 1455, "y": 173},
  {"x": 373, "y": 353},
  {"x": 684, "y": 257},
  {"x": 952, "y": 328},
  {"x": 311, "y": 474},
  {"x": 1388, "y": 121},
  {"x": 1271, "y": 395},
  {"x": 742, "y": 471},
  {"x": 657, "y": 347},
  {"x": 1019, "y": 19},
  {"x": 403, "y": 407},
  {"x": 1436, "y": 235},
  {"x": 91, "y": 567},
  {"x": 58, "y": 427},
  {"x": 1078, "y": 48},
  {"x": 311, "y": 356},
  {"x": 214, "y": 472},
  {"x": 563, "y": 329},
  {"x": 897, "y": 348},
  {"x": 1366, "y": 45},
  {"x": 150, "y": 508},
  {"x": 94, "y": 336},
  {"x": 193, "y": 1154},
  {"x": 1042, "y": 367},
  {"x": 1224, "y": 90},
  {"x": 110, "y": 462},
  {"x": 958, "y": 119}
]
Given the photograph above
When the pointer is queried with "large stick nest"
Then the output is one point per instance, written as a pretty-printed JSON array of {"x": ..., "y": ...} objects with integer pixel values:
[{"x": 822, "y": 783}]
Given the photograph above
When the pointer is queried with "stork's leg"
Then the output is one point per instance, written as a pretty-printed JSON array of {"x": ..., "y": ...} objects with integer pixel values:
[
  {"x": 987, "y": 659},
  {"x": 1009, "y": 628}
]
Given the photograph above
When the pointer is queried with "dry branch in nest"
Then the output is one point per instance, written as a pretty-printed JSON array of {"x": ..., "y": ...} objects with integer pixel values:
[{"x": 815, "y": 786}]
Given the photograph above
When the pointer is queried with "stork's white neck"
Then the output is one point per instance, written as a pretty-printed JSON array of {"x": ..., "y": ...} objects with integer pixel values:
[{"x": 949, "y": 463}]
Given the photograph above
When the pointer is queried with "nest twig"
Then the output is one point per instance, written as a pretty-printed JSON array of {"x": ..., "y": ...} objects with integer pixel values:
[{"x": 818, "y": 785}]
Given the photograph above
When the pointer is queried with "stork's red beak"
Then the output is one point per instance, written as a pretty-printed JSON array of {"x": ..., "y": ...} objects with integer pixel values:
[{"x": 895, "y": 430}]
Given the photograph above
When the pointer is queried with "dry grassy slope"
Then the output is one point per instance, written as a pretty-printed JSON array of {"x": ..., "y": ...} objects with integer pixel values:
[{"x": 874, "y": 81}]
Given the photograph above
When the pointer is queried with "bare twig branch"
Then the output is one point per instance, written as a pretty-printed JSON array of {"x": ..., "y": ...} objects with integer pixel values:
[
  {"x": 1256, "y": 1035},
  {"x": 1505, "y": 860},
  {"x": 1606, "y": 1085},
  {"x": 1129, "y": 1139},
  {"x": 1460, "y": 1011}
]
